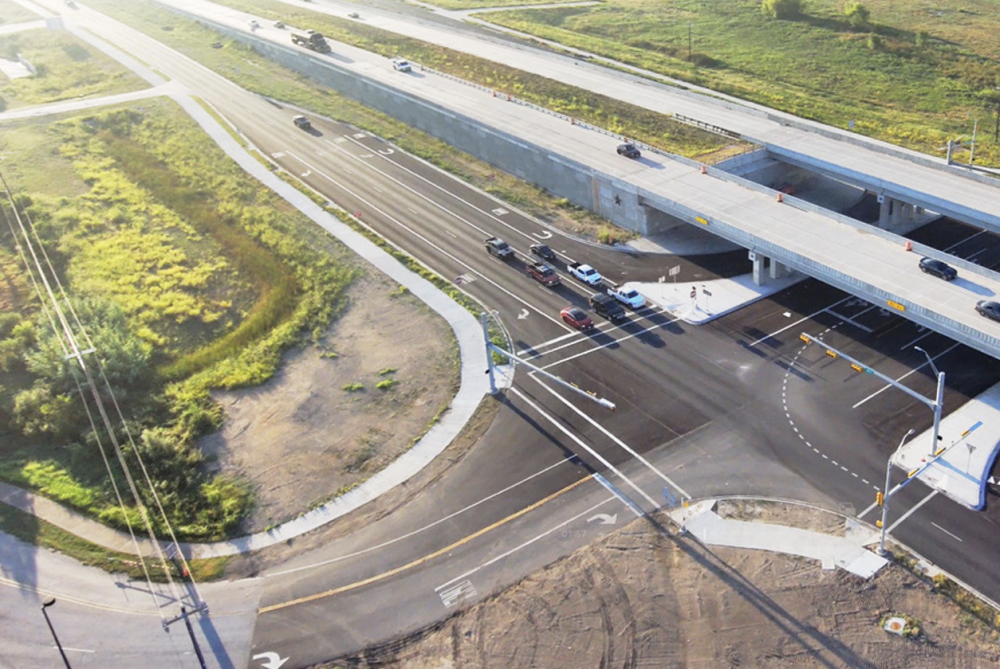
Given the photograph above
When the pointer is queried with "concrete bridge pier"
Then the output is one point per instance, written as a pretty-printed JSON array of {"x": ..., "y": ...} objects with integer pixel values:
[
  {"x": 765, "y": 269},
  {"x": 898, "y": 216}
]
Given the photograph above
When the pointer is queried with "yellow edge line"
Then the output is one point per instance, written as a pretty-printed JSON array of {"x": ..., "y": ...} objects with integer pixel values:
[{"x": 393, "y": 572}]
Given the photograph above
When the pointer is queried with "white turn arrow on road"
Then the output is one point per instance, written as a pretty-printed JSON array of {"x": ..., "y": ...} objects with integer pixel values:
[
  {"x": 544, "y": 234},
  {"x": 604, "y": 518},
  {"x": 274, "y": 661},
  {"x": 524, "y": 314}
]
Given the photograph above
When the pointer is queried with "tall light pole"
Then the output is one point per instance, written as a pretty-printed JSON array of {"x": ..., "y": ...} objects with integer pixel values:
[
  {"x": 939, "y": 400},
  {"x": 46, "y": 603},
  {"x": 885, "y": 493}
]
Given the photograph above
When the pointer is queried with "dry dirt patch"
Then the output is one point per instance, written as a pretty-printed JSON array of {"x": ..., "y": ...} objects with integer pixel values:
[
  {"x": 645, "y": 597},
  {"x": 302, "y": 438}
]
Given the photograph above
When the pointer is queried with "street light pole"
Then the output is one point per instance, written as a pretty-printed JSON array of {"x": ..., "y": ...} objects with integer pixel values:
[
  {"x": 938, "y": 400},
  {"x": 885, "y": 494},
  {"x": 46, "y": 603}
]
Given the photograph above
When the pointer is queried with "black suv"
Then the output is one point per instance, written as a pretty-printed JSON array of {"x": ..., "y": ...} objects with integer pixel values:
[
  {"x": 607, "y": 306},
  {"x": 937, "y": 268},
  {"x": 629, "y": 150}
]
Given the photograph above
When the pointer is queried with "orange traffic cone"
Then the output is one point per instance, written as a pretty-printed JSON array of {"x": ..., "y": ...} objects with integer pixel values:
[
  {"x": 781, "y": 197},
  {"x": 909, "y": 246},
  {"x": 704, "y": 170}
]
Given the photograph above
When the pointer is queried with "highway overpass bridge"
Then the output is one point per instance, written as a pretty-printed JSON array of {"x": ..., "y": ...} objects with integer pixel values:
[{"x": 579, "y": 163}]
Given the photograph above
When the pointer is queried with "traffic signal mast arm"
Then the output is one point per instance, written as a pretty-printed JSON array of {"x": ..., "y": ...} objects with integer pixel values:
[{"x": 860, "y": 366}]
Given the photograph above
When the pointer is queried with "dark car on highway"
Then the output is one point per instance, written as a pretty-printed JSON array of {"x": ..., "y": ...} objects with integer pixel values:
[
  {"x": 301, "y": 121},
  {"x": 937, "y": 268},
  {"x": 577, "y": 317},
  {"x": 629, "y": 150},
  {"x": 543, "y": 252},
  {"x": 989, "y": 308}
]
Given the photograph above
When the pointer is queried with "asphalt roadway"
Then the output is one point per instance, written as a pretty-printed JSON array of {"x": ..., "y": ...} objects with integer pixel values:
[{"x": 737, "y": 406}]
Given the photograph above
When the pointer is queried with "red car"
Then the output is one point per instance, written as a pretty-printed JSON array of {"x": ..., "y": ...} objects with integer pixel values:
[{"x": 577, "y": 317}]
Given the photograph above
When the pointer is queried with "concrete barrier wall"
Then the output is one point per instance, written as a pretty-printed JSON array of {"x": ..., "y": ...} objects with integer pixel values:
[{"x": 561, "y": 176}]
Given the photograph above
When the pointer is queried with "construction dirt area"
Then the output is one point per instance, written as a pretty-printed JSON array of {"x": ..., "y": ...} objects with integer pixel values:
[
  {"x": 341, "y": 410},
  {"x": 648, "y": 597}
]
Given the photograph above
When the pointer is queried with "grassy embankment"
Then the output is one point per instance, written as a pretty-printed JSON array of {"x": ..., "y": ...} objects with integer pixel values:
[
  {"x": 255, "y": 73},
  {"x": 65, "y": 68},
  {"x": 914, "y": 77},
  {"x": 11, "y": 12},
  {"x": 209, "y": 276}
]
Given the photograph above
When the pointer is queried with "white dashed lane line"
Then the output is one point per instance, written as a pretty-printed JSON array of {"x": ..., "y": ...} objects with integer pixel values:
[{"x": 801, "y": 436}]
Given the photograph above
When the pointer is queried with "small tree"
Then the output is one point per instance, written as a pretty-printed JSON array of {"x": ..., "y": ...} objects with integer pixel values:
[
  {"x": 874, "y": 41},
  {"x": 857, "y": 14},
  {"x": 782, "y": 9}
]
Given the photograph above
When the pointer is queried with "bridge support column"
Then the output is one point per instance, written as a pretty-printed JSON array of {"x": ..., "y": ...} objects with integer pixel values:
[
  {"x": 759, "y": 267},
  {"x": 777, "y": 270}
]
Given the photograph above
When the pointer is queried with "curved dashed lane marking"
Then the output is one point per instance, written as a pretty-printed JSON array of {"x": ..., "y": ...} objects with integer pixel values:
[{"x": 801, "y": 436}]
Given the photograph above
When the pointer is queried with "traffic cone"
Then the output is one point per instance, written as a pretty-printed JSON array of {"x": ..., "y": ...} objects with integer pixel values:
[
  {"x": 781, "y": 197},
  {"x": 704, "y": 170},
  {"x": 909, "y": 246}
]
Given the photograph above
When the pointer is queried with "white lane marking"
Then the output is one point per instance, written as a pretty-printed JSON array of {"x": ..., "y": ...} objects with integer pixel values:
[
  {"x": 617, "y": 493},
  {"x": 551, "y": 341},
  {"x": 526, "y": 543},
  {"x": 969, "y": 238},
  {"x": 610, "y": 343},
  {"x": 972, "y": 258},
  {"x": 913, "y": 342},
  {"x": 801, "y": 320},
  {"x": 87, "y": 650},
  {"x": 457, "y": 593},
  {"x": 953, "y": 536},
  {"x": 433, "y": 245},
  {"x": 435, "y": 523},
  {"x": 909, "y": 373},
  {"x": 911, "y": 511},
  {"x": 612, "y": 437},
  {"x": 864, "y": 513},
  {"x": 456, "y": 196},
  {"x": 559, "y": 426}
]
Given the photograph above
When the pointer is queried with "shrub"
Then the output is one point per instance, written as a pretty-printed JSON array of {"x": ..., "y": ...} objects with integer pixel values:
[
  {"x": 874, "y": 41},
  {"x": 354, "y": 387},
  {"x": 782, "y": 9},
  {"x": 857, "y": 14},
  {"x": 386, "y": 384}
]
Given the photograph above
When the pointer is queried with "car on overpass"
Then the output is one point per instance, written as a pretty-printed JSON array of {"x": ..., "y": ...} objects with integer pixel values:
[
  {"x": 941, "y": 270},
  {"x": 629, "y": 150},
  {"x": 989, "y": 308}
]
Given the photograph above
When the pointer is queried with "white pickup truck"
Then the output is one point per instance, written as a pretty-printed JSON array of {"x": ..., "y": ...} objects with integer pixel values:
[
  {"x": 630, "y": 297},
  {"x": 585, "y": 273}
]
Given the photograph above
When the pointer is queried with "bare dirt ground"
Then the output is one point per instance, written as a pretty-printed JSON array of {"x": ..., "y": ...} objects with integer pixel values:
[
  {"x": 645, "y": 597},
  {"x": 302, "y": 438}
]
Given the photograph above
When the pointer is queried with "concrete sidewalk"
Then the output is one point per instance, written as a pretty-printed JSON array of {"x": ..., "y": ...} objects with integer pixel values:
[
  {"x": 971, "y": 439},
  {"x": 849, "y": 554},
  {"x": 704, "y": 301}
]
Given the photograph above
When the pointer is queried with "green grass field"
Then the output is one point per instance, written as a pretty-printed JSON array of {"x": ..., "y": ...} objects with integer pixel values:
[
  {"x": 11, "y": 12},
  {"x": 66, "y": 68},
  {"x": 927, "y": 82},
  {"x": 189, "y": 277}
]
